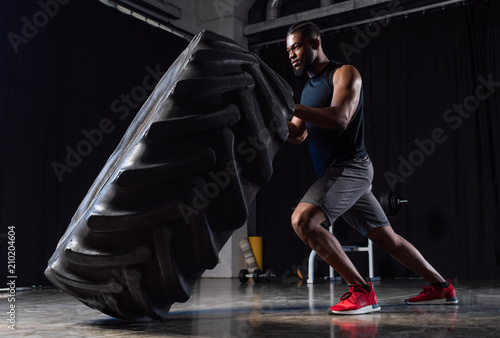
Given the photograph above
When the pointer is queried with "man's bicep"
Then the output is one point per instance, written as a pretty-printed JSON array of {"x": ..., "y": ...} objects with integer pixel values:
[{"x": 346, "y": 90}]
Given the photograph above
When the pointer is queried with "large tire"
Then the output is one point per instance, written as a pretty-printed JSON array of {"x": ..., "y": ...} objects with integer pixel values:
[{"x": 177, "y": 185}]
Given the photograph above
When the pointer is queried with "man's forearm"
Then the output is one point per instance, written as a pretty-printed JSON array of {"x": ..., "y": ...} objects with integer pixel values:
[
  {"x": 293, "y": 131},
  {"x": 295, "y": 135},
  {"x": 328, "y": 117}
]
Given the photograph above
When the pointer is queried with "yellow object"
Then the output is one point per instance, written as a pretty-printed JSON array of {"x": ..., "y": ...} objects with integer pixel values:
[{"x": 257, "y": 249}]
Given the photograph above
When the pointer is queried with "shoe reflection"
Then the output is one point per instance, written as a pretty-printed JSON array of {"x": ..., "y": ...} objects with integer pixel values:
[{"x": 355, "y": 325}]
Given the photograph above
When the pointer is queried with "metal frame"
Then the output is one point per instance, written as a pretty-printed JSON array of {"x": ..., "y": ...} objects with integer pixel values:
[
  {"x": 155, "y": 17},
  {"x": 348, "y": 248},
  {"x": 337, "y": 11}
]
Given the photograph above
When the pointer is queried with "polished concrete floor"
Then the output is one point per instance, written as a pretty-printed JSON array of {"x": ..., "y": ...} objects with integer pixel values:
[{"x": 226, "y": 308}]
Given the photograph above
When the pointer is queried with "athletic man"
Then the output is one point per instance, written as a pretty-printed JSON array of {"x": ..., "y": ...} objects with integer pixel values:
[{"x": 331, "y": 117}]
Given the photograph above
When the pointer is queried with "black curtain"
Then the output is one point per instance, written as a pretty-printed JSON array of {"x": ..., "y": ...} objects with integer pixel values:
[
  {"x": 432, "y": 89},
  {"x": 72, "y": 77}
]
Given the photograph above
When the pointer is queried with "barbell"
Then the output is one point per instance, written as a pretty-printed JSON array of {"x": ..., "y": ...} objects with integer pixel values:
[
  {"x": 390, "y": 201},
  {"x": 257, "y": 275}
]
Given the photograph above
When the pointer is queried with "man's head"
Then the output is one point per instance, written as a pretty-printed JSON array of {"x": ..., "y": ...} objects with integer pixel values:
[{"x": 303, "y": 42}]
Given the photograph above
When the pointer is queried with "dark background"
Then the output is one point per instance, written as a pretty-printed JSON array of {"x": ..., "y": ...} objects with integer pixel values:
[
  {"x": 67, "y": 77},
  {"x": 414, "y": 70},
  {"x": 63, "y": 81}
]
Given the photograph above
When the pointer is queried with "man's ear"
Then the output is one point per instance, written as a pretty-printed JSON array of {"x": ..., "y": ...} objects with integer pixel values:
[{"x": 315, "y": 43}]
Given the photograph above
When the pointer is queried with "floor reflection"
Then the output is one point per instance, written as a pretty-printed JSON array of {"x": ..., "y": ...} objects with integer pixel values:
[
  {"x": 355, "y": 326},
  {"x": 225, "y": 308}
]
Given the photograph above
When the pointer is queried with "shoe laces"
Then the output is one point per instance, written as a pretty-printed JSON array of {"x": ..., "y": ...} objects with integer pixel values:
[
  {"x": 351, "y": 295},
  {"x": 346, "y": 295},
  {"x": 426, "y": 290}
]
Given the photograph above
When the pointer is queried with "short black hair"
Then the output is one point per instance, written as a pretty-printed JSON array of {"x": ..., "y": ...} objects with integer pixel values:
[{"x": 306, "y": 28}]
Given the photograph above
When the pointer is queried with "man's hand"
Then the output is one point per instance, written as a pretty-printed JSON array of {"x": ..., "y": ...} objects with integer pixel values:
[{"x": 297, "y": 131}]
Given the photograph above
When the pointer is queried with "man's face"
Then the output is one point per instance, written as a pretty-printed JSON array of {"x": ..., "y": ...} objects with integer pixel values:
[{"x": 300, "y": 53}]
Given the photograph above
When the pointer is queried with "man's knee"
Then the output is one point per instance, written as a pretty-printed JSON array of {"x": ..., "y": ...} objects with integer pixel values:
[
  {"x": 301, "y": 224},
  {"x": 385, "y": 238},
  {"x": 306, "y": 220}
]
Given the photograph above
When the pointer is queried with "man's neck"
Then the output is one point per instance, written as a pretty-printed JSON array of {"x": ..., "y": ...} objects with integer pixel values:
[{"x": 319, "y": 64}]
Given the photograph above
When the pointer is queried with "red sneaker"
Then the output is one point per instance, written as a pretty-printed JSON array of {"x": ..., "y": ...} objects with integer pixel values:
[
  {"x": 435, "y": 295},
  {"x": 357, "y": 301}
]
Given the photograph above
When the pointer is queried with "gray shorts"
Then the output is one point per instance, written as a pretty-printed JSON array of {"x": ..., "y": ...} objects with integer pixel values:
[{"x": 344, "y": 191}]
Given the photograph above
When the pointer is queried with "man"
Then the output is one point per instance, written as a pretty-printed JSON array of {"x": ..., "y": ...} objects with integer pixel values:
[{"x": 331, "y": 117}]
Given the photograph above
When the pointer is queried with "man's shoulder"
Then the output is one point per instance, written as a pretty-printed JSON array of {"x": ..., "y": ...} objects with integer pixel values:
[{"x": 347, "y": 73}]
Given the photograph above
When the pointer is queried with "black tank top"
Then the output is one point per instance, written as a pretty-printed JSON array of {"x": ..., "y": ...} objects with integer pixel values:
[{"x": 328, "y": 145}]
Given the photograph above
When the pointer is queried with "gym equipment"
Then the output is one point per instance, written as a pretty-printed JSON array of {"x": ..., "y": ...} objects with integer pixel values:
[
  {"x": 178, "y": 184},
  {"x": 390, "y": 202},
  {"x": 256, "y": 243},
  {"x": 257, "y": 275},
  {"x": 248, "y": 254},
  {"x": 302, "y": 273},
  {"x": 347, "y": 248}
]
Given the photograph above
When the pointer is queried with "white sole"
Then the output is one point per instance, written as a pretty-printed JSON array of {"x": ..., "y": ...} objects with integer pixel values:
[{"x": 363, "y": 310}]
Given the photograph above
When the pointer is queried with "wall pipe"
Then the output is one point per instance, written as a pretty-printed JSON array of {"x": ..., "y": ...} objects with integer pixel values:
[{"x": 272, "y": 9}]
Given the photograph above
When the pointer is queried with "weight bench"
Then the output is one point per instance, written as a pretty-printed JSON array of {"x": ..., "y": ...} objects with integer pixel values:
[{"x": 347, "y": 248}]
